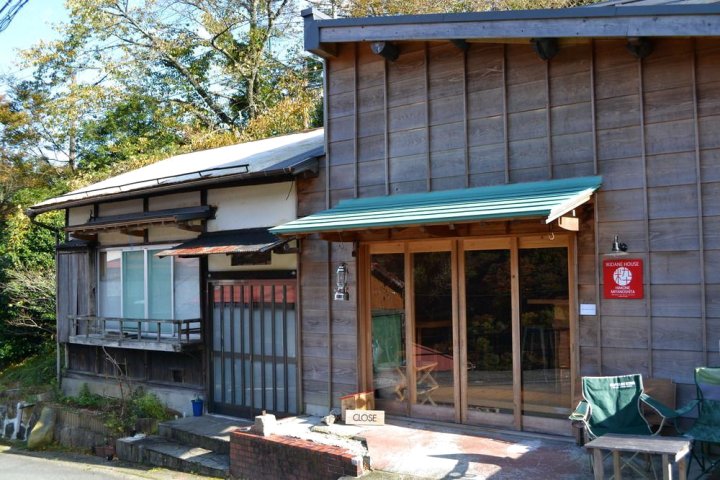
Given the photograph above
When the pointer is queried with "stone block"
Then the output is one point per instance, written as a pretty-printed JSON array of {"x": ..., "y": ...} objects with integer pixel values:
[
  {"x": 265, "y": 424},
  {"x": 42, "y": 433}
]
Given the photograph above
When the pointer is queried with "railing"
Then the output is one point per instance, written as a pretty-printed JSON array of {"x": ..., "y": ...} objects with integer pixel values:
[{"x": 142, "y": 333}]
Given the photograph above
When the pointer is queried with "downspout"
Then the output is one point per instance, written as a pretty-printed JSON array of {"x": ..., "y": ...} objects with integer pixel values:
[{"x": 31, "y": 214}]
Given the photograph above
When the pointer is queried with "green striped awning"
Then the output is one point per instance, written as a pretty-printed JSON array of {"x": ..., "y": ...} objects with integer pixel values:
[{"x": 550, "y": 199}]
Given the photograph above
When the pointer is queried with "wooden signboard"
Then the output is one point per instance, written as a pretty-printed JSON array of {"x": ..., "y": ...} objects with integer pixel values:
[{"x": 365, "y": 417}]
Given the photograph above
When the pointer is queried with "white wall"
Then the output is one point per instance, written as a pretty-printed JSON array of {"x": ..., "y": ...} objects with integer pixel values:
[
  {"x": 120, "y": 208},
  {"x": 176, "y": 200},
  {"x": 79, "y": 215},
  {"x": 252, "y": 206}
]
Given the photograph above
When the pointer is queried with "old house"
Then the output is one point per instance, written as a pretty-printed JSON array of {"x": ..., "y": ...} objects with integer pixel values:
[
  {"x": 511, "y": 200},
  {"x": 170, "y": 280}
]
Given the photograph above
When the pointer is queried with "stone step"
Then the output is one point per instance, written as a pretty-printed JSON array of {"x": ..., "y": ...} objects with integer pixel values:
[
  {"x": 208, "y": 431},
  {"x": 162, "y": 452}
]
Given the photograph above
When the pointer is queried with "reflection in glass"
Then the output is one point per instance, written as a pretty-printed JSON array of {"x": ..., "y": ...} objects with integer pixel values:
[
  {"x": 433, "y": 329},
  {"x": 387, "y": 308},
  {"x": 544, "y": 331},
  {"x": 489, "y": 331}
]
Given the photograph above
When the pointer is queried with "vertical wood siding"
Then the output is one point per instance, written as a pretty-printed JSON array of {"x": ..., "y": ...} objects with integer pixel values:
[{"x": 439, "y": 118}]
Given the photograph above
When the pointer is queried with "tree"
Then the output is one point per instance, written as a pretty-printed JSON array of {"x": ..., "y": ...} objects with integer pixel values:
[
  {"x": 374, "y": 8},
  {"x": 213, "y": 57}
]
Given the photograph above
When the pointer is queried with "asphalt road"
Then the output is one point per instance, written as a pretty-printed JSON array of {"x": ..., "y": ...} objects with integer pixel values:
[{"x": 18, "y": 464}]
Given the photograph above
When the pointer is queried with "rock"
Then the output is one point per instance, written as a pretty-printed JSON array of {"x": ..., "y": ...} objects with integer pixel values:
[
  {"x": 42, "y": 433},
  {"x": 328, "y": 419}
]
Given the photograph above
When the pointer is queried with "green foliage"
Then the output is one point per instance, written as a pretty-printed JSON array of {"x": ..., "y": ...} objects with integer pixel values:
[
  {"x": 121, "y": 414},
  {"x": 35, "y": 372},
  {"x": 373, "y": 8}
]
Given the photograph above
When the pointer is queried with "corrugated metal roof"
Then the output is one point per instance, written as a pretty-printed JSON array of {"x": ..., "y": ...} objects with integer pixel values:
[
  {"x": 260, "y": 158},
  {"x": 550, "y": 199},
  {"x": 250, "y": 240}
]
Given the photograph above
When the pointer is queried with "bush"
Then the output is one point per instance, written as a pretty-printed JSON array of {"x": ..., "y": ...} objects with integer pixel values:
[{"x": 33, "y": 373}]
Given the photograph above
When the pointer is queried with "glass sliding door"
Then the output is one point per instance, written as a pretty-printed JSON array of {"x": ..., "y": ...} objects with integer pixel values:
[
  {"x": 254, "y": 347},
  {"x": 544, "y": 331},
  {"x": 387, "y": 315},
  {"x": 434, "y": 345},
  {"x": 488, "y": 331},
  {"x": 476, "y": 331}
]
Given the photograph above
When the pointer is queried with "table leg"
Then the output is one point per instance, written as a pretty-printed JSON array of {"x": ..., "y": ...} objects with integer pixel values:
[
  {"x": 598, "y": 464},
  {"x": 667, "y": 468},
  {"x": 616, "y": 465}
]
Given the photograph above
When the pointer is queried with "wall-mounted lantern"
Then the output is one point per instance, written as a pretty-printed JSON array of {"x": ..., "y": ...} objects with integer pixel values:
[
  {"x": 618, "y": 246},
  {"x": 341, "y": 291}
]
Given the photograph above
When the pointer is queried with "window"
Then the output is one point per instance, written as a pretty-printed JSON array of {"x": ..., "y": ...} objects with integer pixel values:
[{"x": 137, "y": 284}]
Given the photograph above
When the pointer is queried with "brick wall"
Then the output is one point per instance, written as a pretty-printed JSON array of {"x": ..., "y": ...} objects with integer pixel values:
[{"x": 278, "y": 457}]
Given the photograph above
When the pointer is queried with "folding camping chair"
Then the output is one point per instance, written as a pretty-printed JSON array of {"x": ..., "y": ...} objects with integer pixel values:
[
  {"x": 706, "y": 429},
  {"x": 613, "y": 405}
]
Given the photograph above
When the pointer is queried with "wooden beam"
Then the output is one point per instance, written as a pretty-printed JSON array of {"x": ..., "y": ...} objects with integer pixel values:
[{"x": 586, "y": 26}]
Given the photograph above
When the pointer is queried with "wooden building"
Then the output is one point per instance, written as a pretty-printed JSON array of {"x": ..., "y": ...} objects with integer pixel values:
[
  {"x": 518, "y": 199},
  {"x": 170, "y": 280}
]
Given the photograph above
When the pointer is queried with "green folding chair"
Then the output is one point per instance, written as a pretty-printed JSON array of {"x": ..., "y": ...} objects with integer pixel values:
[
  {"x": 614, "y": 405},
  {"x": 706, "y": 429}
]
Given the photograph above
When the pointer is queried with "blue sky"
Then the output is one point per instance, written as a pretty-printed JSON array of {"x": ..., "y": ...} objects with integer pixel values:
[{"x": 31, "y": 24}]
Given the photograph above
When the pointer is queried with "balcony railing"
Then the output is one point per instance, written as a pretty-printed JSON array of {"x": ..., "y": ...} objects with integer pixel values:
[{"x": 136, "y": 333}]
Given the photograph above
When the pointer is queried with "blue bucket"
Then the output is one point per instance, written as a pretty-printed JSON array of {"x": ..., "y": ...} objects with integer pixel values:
[{"x": 197, "y": 407}]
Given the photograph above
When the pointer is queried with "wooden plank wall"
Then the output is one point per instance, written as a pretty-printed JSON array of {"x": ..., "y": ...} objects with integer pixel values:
[
  {"x": 74, "y": 285},
  {"x": 440, "y": 118},
  {"x": 142, "y": 365}
]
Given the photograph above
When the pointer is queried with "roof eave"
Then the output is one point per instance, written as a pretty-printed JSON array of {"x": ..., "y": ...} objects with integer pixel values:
[
  {"x": 322, "y": 34},
  {"x": 307, "y": 166}
]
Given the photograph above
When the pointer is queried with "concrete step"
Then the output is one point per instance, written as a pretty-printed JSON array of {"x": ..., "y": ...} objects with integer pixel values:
[
  {"x": 208, "y": 431},
  {"x": 162, "y": 452}
]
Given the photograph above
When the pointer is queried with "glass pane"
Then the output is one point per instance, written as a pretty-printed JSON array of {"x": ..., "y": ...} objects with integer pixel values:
[
  {"x": 544, "y": 331},
  {"x": 238, "y": 381},
  {"x": 292, "y": 389},
  {"x": 109, "y": 288},
  {"x": 217, "y": 309},
  {"x": 187, "y": 288},
  {"x": 133, "y": 284},
  {"x": 159, "y": 292},
  {"x": 280, "y": 382},
  {"x": 489, "y": 331},
  {"x": 387, "y": 307},
  {"x": 217, "y": 378},
  {"x": 433, "y": 329}
]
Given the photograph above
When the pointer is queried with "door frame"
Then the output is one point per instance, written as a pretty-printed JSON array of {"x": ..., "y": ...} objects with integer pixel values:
[{"x": 457, "y": 246}]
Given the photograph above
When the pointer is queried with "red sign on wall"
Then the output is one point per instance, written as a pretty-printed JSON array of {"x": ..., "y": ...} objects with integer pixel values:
[{"x": 623, "y": 278}]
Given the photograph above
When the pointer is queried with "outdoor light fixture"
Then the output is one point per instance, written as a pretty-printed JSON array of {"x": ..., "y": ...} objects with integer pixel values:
[
  {"x": 341, "y": 292},
  {"x": 640, "y": 47},
  {"x": 618, "y": 246},
  {"x": 546, "y": 48},
  {"x": 385, "y": 49},
  {"x": 460, "y": 44}
]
